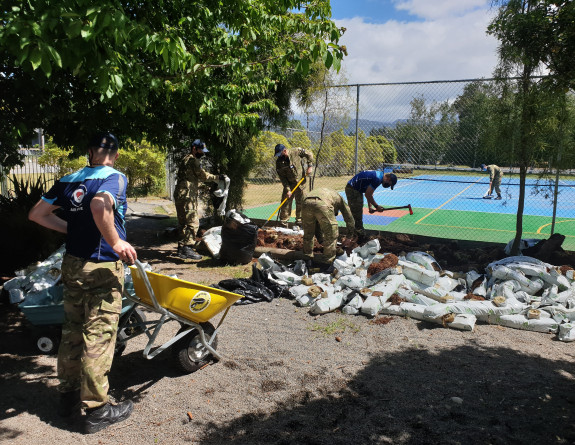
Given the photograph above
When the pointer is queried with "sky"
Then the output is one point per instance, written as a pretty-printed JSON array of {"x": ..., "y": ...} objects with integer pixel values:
[{"x": 415, "y": 40}]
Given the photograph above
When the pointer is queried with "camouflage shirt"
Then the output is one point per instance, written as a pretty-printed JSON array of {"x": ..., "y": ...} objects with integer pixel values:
[
  {"x": 494, "y": 172},
  {"x": 190, "y": 174},
  {"x": 289, "y": 169},
  {"x": 335, "y": 202}
]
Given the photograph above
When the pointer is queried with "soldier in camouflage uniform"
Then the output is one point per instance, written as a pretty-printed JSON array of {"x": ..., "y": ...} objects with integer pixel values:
[
  {"x": 290, "y": 173},
  {"x": 320, "y": 207},
  {"x": 93, "y": 200},
  {"x": 495, "y": 175},
  {"x": 189, "y": 175}
]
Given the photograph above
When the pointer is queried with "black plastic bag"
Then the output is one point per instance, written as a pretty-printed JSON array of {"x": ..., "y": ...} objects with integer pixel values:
[
  {"x": 252, "y": 291},
  {"x": 238, "y": 242}
]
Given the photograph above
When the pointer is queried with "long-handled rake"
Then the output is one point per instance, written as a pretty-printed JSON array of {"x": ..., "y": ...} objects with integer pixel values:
[{"x": 283, "y": 202}]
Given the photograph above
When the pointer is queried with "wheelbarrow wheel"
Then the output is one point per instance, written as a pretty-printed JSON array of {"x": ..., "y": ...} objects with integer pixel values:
[
  {"x": 189, "y": 352},
  {"x": 133, "y": 326},
  {"x": 47, "y": 342}
]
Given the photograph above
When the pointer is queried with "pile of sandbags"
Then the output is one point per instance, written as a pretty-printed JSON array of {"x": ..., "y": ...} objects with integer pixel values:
[{"x": 518, "y": 292}]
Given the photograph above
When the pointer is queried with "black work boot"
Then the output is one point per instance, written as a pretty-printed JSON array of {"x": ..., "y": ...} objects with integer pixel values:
[
  {"x": 187, "y": 253},
  {"x": 102, "y": 417},
  {"x": 69, "y": 403},
  {"x": 191, "y": 254}
]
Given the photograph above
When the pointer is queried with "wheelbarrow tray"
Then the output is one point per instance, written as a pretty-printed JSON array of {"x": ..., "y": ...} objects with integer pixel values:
[
  {"x": 191, "y": 301},
  {"x": 46, "y": 308}
]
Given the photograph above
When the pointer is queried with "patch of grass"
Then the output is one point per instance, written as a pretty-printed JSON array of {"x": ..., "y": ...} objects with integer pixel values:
[
  {"x": 160, "y": 210},
  {"x": 338, "y": 326}
]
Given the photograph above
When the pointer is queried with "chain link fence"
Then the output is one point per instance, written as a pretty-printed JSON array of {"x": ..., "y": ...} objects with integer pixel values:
[{"x": 434, "y": 136}]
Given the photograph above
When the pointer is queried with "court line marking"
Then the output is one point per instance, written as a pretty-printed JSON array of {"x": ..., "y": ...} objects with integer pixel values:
[
  {"x": 446, "y": 202},
  {"x": 556, "y": 222}
]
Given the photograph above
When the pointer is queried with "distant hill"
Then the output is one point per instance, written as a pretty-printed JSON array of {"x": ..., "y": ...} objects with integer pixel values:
[{"x": 364, "y": 124}]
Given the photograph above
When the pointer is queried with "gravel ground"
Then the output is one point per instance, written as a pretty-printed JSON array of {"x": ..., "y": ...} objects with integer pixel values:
[{"x": 291, "y": 378}]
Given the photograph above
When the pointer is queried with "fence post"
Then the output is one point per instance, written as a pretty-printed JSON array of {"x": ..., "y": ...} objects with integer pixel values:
[{"x": 356, "y": 131}]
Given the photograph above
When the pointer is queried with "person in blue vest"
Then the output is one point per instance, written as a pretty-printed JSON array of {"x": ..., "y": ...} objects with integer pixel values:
[
  {"x": 92, "y": 205},
  {"x": 365, "y": 183}
]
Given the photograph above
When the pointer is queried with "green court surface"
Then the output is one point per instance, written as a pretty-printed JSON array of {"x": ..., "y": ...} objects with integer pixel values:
[{"x": 452, "y": 224}]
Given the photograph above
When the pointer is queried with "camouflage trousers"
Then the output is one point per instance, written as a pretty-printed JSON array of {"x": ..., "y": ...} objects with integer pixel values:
[
  {"x": 316, "y": 214},
  {"x": 496, "y": 185},
  {"x": 92, "y": 307},
  {"x": 285, "y": 211},
  {"x": 188, "y": 220},
  {"x": 355, "y": 203}
]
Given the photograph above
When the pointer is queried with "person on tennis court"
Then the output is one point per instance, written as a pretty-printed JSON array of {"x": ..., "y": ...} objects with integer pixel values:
[
  {"x": 495, "y": 175},
  {"x": 366, "y": 182},
  {"x": 290, "y": 174}
]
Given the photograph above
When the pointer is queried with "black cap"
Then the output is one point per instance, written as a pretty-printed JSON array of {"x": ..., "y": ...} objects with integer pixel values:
[
  {"x": 279, "y": 148},
  {"x": 104, "y": 140},
  {"x": 393, "y": 180},
  {"x": 198, "y": 143}
]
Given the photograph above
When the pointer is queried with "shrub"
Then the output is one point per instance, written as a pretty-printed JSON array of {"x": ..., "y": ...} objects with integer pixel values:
[
  {"x": 24, "y": 241},
  {"x": 57, "y": 160},
  {"x": 145, "y": 167}
]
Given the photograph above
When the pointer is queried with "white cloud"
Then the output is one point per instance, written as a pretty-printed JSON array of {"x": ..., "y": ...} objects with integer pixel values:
[
  {"x": 434, "y": 9},
  {"x": 447, "y": 48}
]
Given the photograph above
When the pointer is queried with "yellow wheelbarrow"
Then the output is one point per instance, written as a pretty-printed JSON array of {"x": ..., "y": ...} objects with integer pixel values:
[{"x": 190, "y": 304}]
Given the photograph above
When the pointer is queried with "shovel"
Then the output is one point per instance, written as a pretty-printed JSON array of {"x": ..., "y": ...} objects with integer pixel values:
[{"x": 408, "y": 206}]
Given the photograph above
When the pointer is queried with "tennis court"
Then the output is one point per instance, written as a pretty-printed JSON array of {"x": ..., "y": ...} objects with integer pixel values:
[{"x": 453, "y": 207}]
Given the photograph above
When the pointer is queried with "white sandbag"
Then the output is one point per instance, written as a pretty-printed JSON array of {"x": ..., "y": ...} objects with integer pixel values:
[
  {"x": 419, "y": 299},
  {"x": 549, "y": 295},
  {"x": 15, "y": 295},
  {"x": 15, "y": 283},
  {"x": 405, "y": 310},
  {"x": 299, "y": 290},
  {"x": 514, "y": 259},
  {"x": 388, "y": 286},
  {"x": 527, "y": 285},
  {"x": 546, "y": 272},
  {"x": 446, "y": 283},
  {"x": 471, "y": 277},
  {"x": 369, "y": 248},
  {"x": 555, "y": 277},
  {"x": 415, "y": 272},
  {"x": 321, "y": 278},
  {"x": 212, "y": 238},
  {"x": 289, "y": 278},
  {"x": 458, "y": 296},
  {"x": 480, "y": 289},
  {"x": 268, "y": 263},
  {"x": 568, "y": 294},
  {"x": 481, "y": 309},
  {"x": 351, "y": 281},
  {"x": 520, "y": 321},
  {"x": 371, "y": 306},
  {"x": 344, "y": 266},
  {"x": 423, "y": 259},
  {"x": 523, "y": 244},
  {"x": 463, "y": 322},
  {"x": 333, "y": 301},
  {"x": 381, "y": 275},
  {"x": 286, "y": 231},
  {"x": 305, "y": 300},
  {"x": 566, "y": 332},
  {"x": 353, "y": 306},
  {"x": 435, "y": 293}
]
